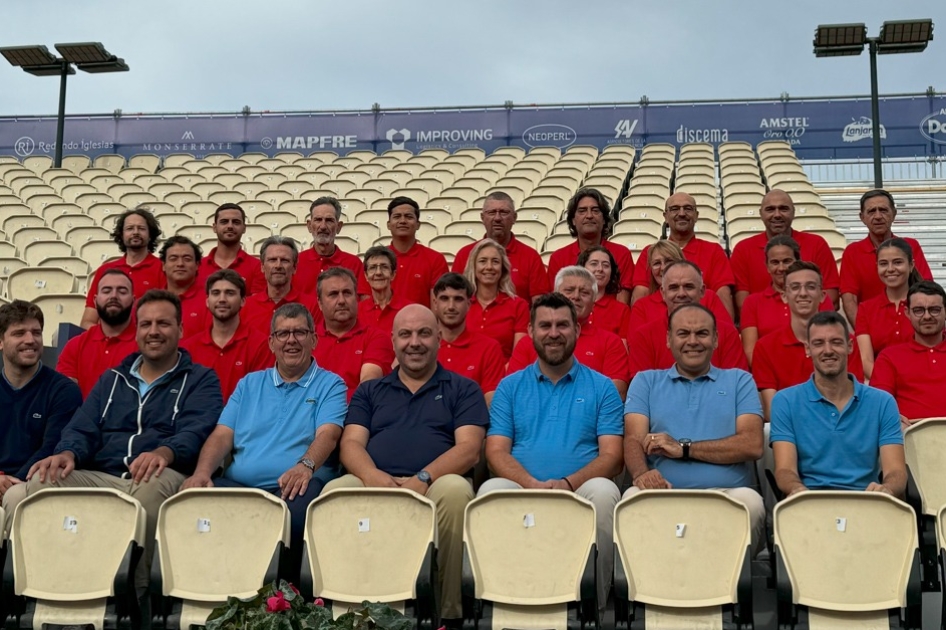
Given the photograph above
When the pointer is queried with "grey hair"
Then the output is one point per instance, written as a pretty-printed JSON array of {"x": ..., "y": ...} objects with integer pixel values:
[
  {"x": 292, "y": 310},
  {"x": 574, "y": 271},
  {"x": 280, "y": 240}
]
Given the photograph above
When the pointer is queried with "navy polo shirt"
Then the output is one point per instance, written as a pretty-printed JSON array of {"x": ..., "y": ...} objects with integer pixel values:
[{"x": 408, "y": 430}]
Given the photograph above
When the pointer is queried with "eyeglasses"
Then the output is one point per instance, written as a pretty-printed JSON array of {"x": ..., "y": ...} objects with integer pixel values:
[
  {"x": 810, "y": 287},
  {"x": 373, "y": 268},
  {"x": 504, "y": 214},
  {"x": 920, "y": 311},
  {"x": 298, "y": 335}
]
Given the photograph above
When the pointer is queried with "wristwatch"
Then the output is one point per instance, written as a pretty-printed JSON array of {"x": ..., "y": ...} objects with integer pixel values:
[
  {"x": 308, "y": 463},
  {"x": 425, "y": 477},
  {"x": 685, "y": 445}
]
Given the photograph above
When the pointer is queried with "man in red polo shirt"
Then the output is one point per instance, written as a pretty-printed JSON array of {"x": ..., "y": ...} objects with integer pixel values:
[
  {"x": 681, "y": 213},
  {"x": 181, "y": 259},
  {"x": 914, "y": 373},
  {"x": 748, "y": 257},
  {"x": 596, "y": 348},
  {"x": 136, "y": 232},
  {"x": 589, "y": 219},
  {"x": 647, "y": 346},
  {"x": 228, "y": 346},
  {"x": 279, "y": 256},
  {"x": 781, "y": 359},
  {"x": 464, "y": 351},
  {"x": 859, "y": 278},
  {"x": 356, "y": 352},
  {"x": 418, "y": 266},
  {"x": 528, "y": 271},
  {"x": 230, "y": 225},
  {"x": 324, "y": 224},
  {"x": 103, "y": 346}
]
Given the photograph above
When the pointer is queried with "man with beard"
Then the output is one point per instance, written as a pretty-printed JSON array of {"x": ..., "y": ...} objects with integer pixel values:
[
  {"x": 181, "y": 259},
  {"x": 528, "y": 271},
  {"x": 832, "y": 432},
  {"x": 356, "y": 352},
  {"x": 103, "y": 346},
  {"x": 418, "y": 266},
  {"x": 558, "y": 425},
  {"x": 136, "y": 233},
  {"x": 230, "y": 225},
  {"x": 324, "y": 224},
  {"x": 228, "y": 345},
  {"x": 36, "y": 401},
  {"x": 279, "y": 256},
  {"x": 421, "y": 428}
]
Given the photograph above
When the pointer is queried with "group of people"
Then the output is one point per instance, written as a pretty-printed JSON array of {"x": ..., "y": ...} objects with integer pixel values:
[{"x": 300, "y": 372}]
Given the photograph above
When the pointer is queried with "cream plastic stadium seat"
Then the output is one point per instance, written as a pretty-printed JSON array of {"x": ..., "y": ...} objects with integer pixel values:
[
  {"x": 38, "y": 163},
  {"x": 78, "y": 235},
  {"x": 254, "y": 235},
  {"x": 375, "y": 544},
  {"x": 275, "y": 221},
  {"x": 472, "y": 229},
  {"x": 298, "y": 208},
  {"x": 298, "y": 189},
  {"x": 226, "y": 196},
  {"x": 351, "y": 245},
  {"x": 924, "y": 443},
  {"x": 557, "y": 241},
  {"x": 299, "y": 232},
  {"x": 36, "y": 252},
  {"x": 73, "y": 264},
  {"x": 351, "y": 206},
  {"x": 339, "y": 187},
  {"x": 250, "y": 189},
  {"x": 377, "y": 218},
  {"x": 682, "y": 559},
  {"x": 440, "y": 219},
  {"x": 846, "y": 560},
  {"x": 363, "y": 232},
  {"x": 635, "y": 241},
  {"x": 450, "y": 244},
  {"x": 97, "y": 252},
  {"x": 170, "y": 222},
  {"x": 150, "y": 162},
  {"x": 529, "y": 558},
  {"x": 188, "y": 180},
  {"x": 13, "y": 222},
  {"x": 814, "y": 223},
  {"x": 197, "y": 232},
  {"x": 109, "y": 162},
  {"x": 202, "y": 211},
  {"x": 8, "y": 262},
  {"x": 31, "y": 282},
  {"x": 212, "y": 544},
  {"x": 638, "y": 226},
  {"x": 22, "y": 236},
  {"x": 59, "y": 308},
  {"x": 73, "y": 553}
]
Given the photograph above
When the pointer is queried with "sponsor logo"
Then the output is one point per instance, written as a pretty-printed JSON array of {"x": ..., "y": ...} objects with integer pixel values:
[
  {"x": 549, "y": 135},
  {"x": 788, "y": 129},
  {"x": 625, "y": 128},
  {"x": 393, "y": 134},
  {"x": 24, "y": 146},
  {"x": 933, "y": 127},
  {"x": 860, "y": 129},
  {"x": 188, "y": 135},
  {"x": 685, "y": 134},
  {"x": 195, "y": 147},
  {"x": 311, "y": 142}
]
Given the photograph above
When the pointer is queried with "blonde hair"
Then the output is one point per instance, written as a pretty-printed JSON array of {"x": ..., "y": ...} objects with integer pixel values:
[
  {"x": 669, "y": 250},
  {"x": 505, "y": 277}
]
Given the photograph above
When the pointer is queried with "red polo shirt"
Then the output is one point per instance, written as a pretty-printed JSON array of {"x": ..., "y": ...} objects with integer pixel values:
[
  {"x": 648, "y": 348},
  {"x": 247, "y": 351},
  {"x": 528, "y": 271},
  {"x": 474, "y": 356},
  {"x": 346, "y": 355},
  {"x": 710, "y": 257},
  {"x": 146, "y": 275},
  {"x": 914, "y": 375},
  {"x": 779, "y": 361},
  {"x": 611, "y": 315},
  {"x": 370, "y": 314},
  {"x": 568, "y": 256},
  {"x": 259, "y": 308},
  {"x": 598, "y": 349},
  {"x": 87, "y": 356},
  {"x": 886, "y": 323},
  {"x": 418, "y": 270},
  {"x": 501, "y": 319},
  {"x": 245, "y": 264},
  {"x": 647, "y": 309},
  {"x": 859, "y": 268},
  {"x": 312, "y": 263},
  {"x": 752, "y": 274},
  {"x": 768, "y": 312},
  {"x": 194, "y": 314}
]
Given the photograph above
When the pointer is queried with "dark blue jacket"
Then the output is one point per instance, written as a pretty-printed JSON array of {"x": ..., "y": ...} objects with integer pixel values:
[{"x": 115, "y": 424}]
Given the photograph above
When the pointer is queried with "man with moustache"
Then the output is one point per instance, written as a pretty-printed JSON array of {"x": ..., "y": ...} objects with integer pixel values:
[
  {"x": 279, "y": 256},
  {"x": 324, "y": 223},
  {"x": 86, "y": 357},
  {"x": 230, "y": 225}
]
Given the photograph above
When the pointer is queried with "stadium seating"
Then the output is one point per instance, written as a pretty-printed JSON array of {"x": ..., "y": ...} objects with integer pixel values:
[
  {"x": 375, "y": 544},
  {"x": 72, "y": 557},
  {"x": 924, "y": 444},
  {"x": 212, "y": 544}
]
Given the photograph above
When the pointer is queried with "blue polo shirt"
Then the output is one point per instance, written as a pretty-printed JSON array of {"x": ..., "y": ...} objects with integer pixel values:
[
  {"x": 408, "y": 430},
  {"x": 837, "y": 450},
  {"x": 704, "y": 408},
  {"x": 274, "y": 422},
  {"x": 554, "y": 427}
]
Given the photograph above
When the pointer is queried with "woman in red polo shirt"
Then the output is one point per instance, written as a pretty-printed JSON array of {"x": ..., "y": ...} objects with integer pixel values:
[
  {"x": 882, "y": 320},
  {"x": 608, "y": 313},
  {"x": 495, "y": 310}
]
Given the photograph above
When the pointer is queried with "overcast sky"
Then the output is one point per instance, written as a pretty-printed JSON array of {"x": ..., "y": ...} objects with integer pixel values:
[{"x": 219, "y": 55}]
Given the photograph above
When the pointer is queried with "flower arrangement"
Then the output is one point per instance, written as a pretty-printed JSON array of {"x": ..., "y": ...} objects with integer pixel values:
[{"x": 281, "y": 607}]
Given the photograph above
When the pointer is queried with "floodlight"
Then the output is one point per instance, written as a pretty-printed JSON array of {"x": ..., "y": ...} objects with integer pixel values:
[
  {"x": 906, "y": 32},
  {"x": 24, "y": 56},
  {"x": 88, "y": 52},
  {"x": 834, "y": 35}
]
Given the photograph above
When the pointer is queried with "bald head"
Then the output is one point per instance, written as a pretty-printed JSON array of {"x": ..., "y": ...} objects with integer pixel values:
[
  {"x": 681, "y": 213},
  {"x": 416, "y": 339},
  {"x": 777, "y": 213}
]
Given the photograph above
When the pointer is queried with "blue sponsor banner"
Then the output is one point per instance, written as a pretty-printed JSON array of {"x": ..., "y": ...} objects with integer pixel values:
[{"x": 817, "y": 129}]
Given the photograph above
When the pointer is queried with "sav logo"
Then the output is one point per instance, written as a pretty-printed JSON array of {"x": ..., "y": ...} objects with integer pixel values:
[
  {"x": 625, "y": 128},
  {"x": 861, "y": 129},
  {"x": 392, "y": 135},
  {"x": 933, "y": 127}
]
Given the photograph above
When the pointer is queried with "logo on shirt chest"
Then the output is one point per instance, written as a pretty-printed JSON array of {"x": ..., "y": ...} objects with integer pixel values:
[
  {"x": 38, "y": 416},
  {"x": 310, "y": 401},
  {"x": 470, "y": 368},
  {"x": 238, "y": 363}
]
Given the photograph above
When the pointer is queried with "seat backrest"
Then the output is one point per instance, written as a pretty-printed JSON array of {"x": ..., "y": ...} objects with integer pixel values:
[
  {"x": 682, "y": 548},
  {"x": 529, "y": 547},
  {"x": 846, "y": 551},
  {"x": 924, "y": 444},
  {"x": 368, "y": 543},
  {"x": 31, "y": 282}
]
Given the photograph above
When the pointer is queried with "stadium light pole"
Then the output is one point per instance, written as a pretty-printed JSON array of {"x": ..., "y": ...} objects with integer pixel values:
[
  {"x": 37, "y": 60},
  {"x": 898, "y": 36}
]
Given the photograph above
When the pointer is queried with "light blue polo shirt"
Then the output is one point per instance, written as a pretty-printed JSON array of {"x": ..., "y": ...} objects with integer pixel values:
[
  {"x": 554, "y": 427},
  {"x": 274, "y": 422},
  {"x": 144, "y": 386},
  {"x": 704, "y": 408},
  {"x": 837, "y": 450}
]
